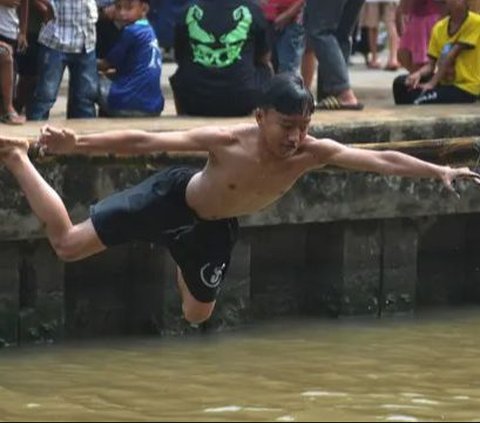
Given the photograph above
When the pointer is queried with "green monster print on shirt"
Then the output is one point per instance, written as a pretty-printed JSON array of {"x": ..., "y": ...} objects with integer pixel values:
[{"x": 202, "y": 42}]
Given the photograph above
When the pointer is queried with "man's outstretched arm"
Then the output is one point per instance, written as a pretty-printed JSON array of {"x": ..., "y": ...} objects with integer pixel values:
[
  {"x": 132, "y": 142},
  {"x": 329, "y": 152}
]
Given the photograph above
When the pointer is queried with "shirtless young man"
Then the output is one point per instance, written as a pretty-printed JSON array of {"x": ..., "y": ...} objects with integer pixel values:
[{"x": 193, "y": 212}]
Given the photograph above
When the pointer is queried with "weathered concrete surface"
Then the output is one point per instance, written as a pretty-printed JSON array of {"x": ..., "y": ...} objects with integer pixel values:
[
  {"x": 372, "y": 125},
  {"x": 317, "y": 197},
  {"x": 340, "y": 243}
]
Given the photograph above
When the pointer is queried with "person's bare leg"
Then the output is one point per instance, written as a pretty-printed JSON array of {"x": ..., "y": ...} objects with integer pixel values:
[
  {"x": 194, "y": 311},
  {"x": 372, "y": 42},
  {"x": 6, "y": 66},
  {"x": 309, "y": 67},
  {"x": 393, "y": 42},
  {"x": 71, "y": 242},
  {"x": 6, "y": 85}
]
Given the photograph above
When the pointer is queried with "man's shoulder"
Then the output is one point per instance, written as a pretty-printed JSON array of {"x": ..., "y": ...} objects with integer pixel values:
[
  {"x": 317, "y": 146},
  {"x": 223, "y": 135},
  {"x": 239, "y": 133}
]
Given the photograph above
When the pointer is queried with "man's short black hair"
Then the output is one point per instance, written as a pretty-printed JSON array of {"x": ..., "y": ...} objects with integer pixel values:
[{"x": 287, "y": 94}]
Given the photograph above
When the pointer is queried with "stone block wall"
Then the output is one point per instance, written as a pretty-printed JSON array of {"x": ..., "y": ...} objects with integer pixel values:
[
  {"x": 348, "y": 268},
  {"x": 32, "y": 307},
  {"x": 338, "y": 244}
]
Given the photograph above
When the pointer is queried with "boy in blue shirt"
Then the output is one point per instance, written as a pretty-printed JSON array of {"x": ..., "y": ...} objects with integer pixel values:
[{"x": 136, "y": 57}]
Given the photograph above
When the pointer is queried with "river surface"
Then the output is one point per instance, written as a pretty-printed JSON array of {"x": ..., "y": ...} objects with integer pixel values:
[{"x": 419, "y": 368}]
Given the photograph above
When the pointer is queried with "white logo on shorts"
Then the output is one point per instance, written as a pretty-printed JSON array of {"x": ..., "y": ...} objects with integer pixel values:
[{"x": 216, "y": 276}]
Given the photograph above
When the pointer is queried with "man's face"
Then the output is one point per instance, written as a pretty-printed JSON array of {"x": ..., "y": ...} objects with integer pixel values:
[
  {"x": 129, "y": 11},
  {"x": 284, "y": 134}
]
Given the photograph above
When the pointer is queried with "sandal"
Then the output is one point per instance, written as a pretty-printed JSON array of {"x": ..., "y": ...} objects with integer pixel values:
[
  {"x": 12, "y": 118},
  {"x": 391, "y": 68},
  {"x": 332, "y": 103}
]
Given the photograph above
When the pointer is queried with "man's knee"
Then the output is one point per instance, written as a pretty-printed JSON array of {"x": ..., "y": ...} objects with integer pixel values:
[{"x": 197, "y": 314}]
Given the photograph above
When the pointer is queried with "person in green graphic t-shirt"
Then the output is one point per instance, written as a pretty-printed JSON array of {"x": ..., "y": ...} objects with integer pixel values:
[{"x": 223, "y": 55}]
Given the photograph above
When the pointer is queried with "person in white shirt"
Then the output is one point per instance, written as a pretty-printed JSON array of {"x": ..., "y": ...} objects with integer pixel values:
[{"x": 68, "y": 40}]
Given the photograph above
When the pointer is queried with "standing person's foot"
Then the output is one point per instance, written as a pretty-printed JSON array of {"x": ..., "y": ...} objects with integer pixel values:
[
  {"x": 374, "y": 64},
  {"x": 12, "y": 118},
  {"x": 392, "y": 67},
  {"x": 346, "y": 100}
]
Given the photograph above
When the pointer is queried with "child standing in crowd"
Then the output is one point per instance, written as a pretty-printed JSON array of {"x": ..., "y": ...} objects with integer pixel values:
[
  {"x": 67, "y": 40},
  {"x": 454, "y": 54},
  {"x": 286, "y": 33},
  {"x": 415, "y": 21},
  {"x": 137, "y": 59},
  {"x": 376, "y": 11},
  {"x": 13, "y": 37}
]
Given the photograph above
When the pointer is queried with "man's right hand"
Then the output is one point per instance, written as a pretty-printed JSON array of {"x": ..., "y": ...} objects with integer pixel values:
[
  {"x": 57, "y": 141},
  {"x": 10, "y": 3}
]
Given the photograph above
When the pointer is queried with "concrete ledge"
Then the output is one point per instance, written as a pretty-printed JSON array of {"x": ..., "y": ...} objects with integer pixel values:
[{"x": 370, "y": 125}]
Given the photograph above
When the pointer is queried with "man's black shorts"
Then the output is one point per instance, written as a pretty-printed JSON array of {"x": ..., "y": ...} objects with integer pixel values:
[{"x": 156, "y": 211}]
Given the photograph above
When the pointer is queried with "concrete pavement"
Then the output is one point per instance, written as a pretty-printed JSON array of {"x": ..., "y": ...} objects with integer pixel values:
[{"x": 373, "y": 88}]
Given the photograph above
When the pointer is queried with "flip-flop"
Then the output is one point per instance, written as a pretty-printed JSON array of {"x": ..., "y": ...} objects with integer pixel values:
[
  {"x": 391, "y": 68},
  {"x": 12, "y": 118},
  {"x": 332, "y": 103}
]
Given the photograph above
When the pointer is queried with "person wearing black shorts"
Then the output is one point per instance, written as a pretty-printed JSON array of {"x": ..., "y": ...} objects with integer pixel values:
[
  {"x": 156, "y": 211},
  {"x": 194, "y": 212}
]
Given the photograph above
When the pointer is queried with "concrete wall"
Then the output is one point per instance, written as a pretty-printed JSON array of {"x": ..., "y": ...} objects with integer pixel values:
[{"x": 338, "y": 244}]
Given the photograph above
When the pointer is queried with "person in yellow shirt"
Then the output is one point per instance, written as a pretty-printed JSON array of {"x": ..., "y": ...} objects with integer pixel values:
[{"x": 452, "y": 74}]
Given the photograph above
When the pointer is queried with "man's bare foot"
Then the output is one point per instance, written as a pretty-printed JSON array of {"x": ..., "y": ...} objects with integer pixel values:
[{"x": 12, "y": 147}]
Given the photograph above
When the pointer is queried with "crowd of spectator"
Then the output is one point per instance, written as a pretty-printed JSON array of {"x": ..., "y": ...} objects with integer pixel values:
[{"x": 225, "y": 50}]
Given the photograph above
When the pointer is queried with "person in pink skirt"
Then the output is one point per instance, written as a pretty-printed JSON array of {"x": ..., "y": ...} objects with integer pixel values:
[{"x": 415, "y": 20}]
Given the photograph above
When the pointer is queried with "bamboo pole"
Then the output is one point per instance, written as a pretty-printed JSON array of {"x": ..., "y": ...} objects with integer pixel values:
[
  {"x": 446, "y": 151},
  {"x": 453, "y": 151}
]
